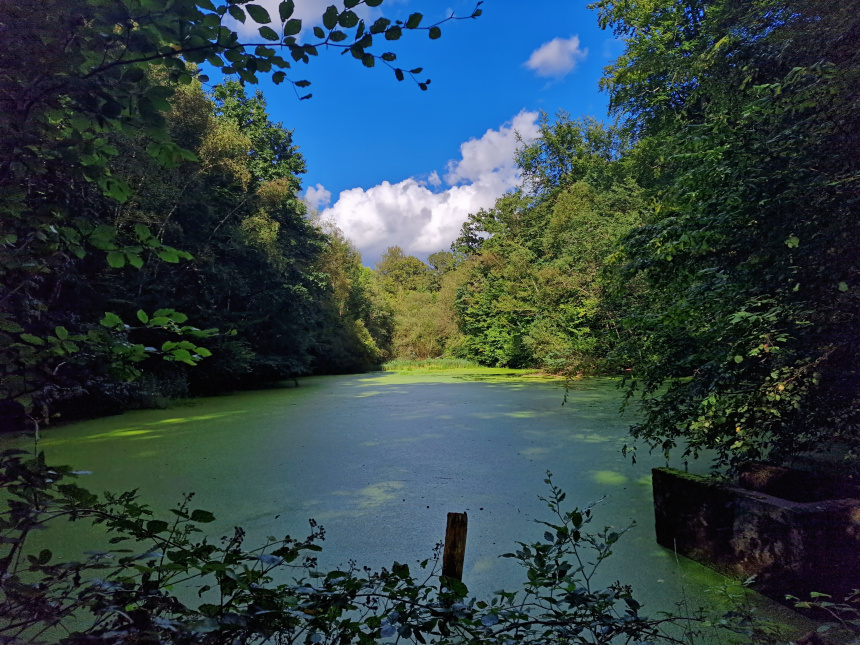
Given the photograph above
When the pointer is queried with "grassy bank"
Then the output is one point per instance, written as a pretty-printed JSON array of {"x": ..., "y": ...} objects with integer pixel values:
[
  {"x": 409, "y": 365},
  {"x": 452, "y": 365}
]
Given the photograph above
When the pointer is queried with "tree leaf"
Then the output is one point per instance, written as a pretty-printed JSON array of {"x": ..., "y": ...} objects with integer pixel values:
[
  {"x": 268, "y": 33},
  {"x": 142, "y": 231},
  {"x": 10, "y": 326},
  {"x": 237, "y": 13},
  {"x": 286, "y": 9},
  {"x": 203, "y": 517},
  {"x": 293, "y": 27},
  {"x": 380, "y": 25},
  {"x": 157, "y": 526},
  {"x": 348, "y": 19},
  {"x": 183, "y": 356},
  {"x": 330, "y": 17},
  {"x": 258, "y": 13},
  {"x": 168, "y": 256},
  {"x": 110, "y": 320},
  {"x": 116, "y": 259},
  {"x": 26, "y": 401}
]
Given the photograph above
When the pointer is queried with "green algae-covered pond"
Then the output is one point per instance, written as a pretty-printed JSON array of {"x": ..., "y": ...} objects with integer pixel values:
[{"x": 380, "y": 459}]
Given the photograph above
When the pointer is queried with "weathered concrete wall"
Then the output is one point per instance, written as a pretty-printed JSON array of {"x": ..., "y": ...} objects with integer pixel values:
[
  {"x": 796, "y": 485},
  {"x": 791, "y": 547}
]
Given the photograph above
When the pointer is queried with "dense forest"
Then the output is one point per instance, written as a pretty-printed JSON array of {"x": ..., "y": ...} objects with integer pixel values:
[
  {"x": 210, "y": 256},
  {"x": 701, "y": 244}
]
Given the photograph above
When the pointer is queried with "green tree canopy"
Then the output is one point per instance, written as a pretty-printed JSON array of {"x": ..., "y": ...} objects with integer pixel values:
[
  {"x": 534, "y": 294},
  {"x": 748, "y": 340},
  {"x": 400, "y": 272}
]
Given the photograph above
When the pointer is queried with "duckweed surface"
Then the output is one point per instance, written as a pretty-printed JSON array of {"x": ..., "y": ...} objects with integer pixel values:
[{"x": 380, "y": 459}]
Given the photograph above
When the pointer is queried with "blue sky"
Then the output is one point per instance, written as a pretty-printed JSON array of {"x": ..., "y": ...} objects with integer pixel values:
[{"x": 392, "y": 165}]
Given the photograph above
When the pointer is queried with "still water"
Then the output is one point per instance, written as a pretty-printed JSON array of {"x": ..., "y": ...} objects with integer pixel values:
[{"x": 380, "y": 459}]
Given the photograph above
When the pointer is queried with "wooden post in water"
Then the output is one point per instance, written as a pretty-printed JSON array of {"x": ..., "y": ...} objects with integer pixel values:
[{"x": 455, "y": 546}]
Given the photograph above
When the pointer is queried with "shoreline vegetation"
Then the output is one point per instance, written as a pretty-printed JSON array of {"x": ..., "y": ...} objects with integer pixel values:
[{"x": 460, "y": 365}]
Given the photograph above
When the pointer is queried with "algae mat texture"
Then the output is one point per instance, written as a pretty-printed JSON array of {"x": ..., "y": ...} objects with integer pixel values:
[{"x": 380, "y": 459}]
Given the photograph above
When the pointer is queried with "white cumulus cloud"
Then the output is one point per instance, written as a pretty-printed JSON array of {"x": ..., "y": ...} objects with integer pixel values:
[
  {"x": 493, "y": 153},
  {"x": 420, "y": 220},
  {"x": 557, "y": 58},
  {"x": 317, "y": 197}
]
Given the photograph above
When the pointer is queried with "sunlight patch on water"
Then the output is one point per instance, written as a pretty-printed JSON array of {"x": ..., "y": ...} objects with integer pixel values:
[
  {"x": 608, "y": 477},
  {"x": 414, "y": 439},
  {"x": 199, "y": 417},
  {"x": 537, "y": 434},
  {"x": 374, "y": 495},
  {"x": 525, "y": 414},
  {"x": 140, "y": 431},
  {"x": 589, "y": 438},
  {"x": 484, "y": 415},
  {"x": 482, "y": 565},
  {"x": 119, "y": 433}
]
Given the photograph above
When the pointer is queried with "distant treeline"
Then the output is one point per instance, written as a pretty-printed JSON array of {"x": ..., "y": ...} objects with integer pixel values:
[{"x": 524, "y": 284}]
